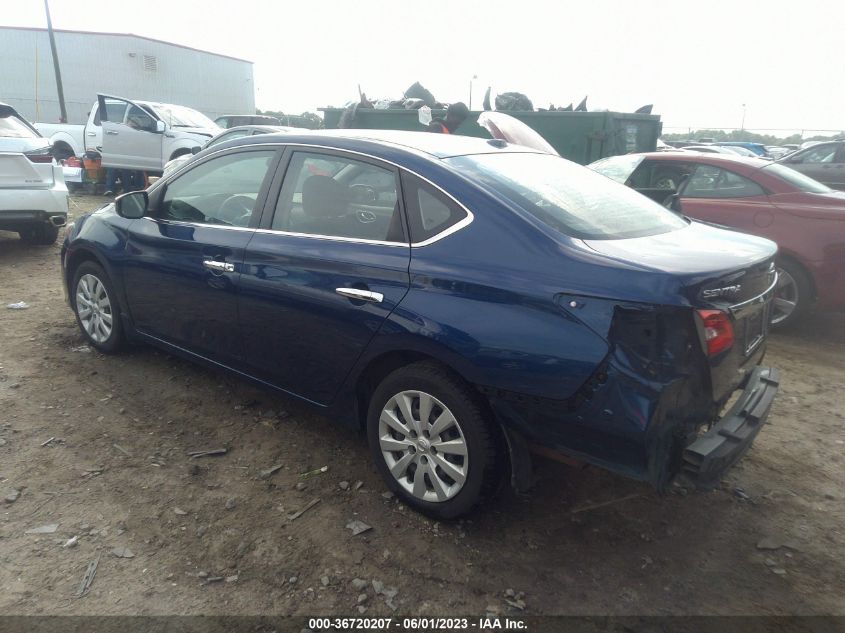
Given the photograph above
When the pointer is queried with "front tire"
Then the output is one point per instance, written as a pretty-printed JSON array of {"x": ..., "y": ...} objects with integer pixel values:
[
  {"x": 96, "y": 308},
  {"x": 432, "y": 441}
]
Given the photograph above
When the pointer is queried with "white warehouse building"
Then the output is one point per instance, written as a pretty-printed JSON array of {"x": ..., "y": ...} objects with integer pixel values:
[{"x": 120, "y": 64}]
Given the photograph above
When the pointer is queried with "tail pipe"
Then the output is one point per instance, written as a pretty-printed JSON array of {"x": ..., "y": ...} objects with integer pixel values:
[{"x": 58, "y": 220}]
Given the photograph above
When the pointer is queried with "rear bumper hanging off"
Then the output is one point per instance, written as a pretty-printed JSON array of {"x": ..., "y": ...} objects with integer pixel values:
[{"x": 714, "y": 452}]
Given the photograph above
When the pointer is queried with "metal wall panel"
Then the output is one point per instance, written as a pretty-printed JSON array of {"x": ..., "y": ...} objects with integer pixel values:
[{"x": 125, "y": 65}]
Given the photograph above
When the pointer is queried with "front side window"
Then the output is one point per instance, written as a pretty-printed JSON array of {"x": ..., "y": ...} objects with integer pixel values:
[
  {"x": 571, "y": 199},
  {"x": 820, "y": 154},
  {"x": 139, "y": 119},
  {"x": 222, "y": 191},
  {"x": 334, "y": 196},
  {"x": 709, "y": 181},
  {"x": 12, "y": 127}
]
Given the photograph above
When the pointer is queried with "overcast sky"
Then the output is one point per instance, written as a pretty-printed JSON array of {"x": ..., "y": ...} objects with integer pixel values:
[{"x": 697, "y": 61}]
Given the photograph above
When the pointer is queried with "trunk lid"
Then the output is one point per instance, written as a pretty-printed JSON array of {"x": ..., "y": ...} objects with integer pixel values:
[{"x": 715, "y": 269}]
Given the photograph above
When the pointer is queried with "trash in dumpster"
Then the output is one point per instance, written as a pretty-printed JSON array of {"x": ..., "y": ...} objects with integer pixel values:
[
  {"x": 513, "y": 101},
  {"x": 418, "y": 91}
]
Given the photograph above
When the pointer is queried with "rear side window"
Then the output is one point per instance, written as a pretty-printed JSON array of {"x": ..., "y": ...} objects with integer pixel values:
[
  {"x": 712, "y": 182},
  {"x": 11, "y": 127},
  {"x": 430, "y": 211},
  {"x": 335, "y": 196}
]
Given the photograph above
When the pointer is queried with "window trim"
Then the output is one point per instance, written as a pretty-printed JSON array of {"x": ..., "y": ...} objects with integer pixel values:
[
  {"x": 282, "y": 150},
  {"x": 415, "y": 188}
]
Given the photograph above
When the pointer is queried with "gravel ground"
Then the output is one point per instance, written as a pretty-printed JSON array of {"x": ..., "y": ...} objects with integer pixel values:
[{"x": 97, "y": 446}]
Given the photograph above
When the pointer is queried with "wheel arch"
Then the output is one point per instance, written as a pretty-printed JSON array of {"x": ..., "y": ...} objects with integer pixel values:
[{"x": 379, "y": 367}]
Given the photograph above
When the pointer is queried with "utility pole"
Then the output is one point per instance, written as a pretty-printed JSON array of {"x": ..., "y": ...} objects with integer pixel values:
[
  {"x": 470, "y": 91},
  {"x": 742, "y": 125},
  {"x": 58, "y": 72}
]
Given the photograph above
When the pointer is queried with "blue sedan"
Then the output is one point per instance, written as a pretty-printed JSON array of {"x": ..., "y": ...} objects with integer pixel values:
[{"x": 464, "y": 302}]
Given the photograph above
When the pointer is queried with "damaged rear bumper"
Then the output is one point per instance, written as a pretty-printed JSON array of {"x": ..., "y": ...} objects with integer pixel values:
[{"x": 714, "y": 452}]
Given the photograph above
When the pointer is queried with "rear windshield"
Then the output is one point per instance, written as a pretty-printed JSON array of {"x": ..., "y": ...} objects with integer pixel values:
[
  {"x": 796, "y": 179},
  {"x": 12, "y": 127},
  {"x": 569, "y": 198}
]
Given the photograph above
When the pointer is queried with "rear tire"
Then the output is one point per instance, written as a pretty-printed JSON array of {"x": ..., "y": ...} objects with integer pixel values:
[
  {"x": 793, "y": 294},
  {"x": 96, "y": 308},
  {"x": 40, "y": 235},
  {"x": 445, "y": 459}
]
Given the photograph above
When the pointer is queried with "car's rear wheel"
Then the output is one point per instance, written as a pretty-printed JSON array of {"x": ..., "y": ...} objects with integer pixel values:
[
  {"x": 40, "y": 235},
  {"x": 431, "y": 440},
  {"x": 96, "y": 308},
  {"x": 792, "y": 294}
]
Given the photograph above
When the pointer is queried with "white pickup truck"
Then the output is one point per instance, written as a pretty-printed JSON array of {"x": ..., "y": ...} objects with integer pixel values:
[{"x": 141, "y": 135}]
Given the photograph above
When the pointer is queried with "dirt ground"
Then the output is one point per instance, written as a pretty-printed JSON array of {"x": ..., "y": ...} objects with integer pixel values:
[{"x": 115, "y": 474}]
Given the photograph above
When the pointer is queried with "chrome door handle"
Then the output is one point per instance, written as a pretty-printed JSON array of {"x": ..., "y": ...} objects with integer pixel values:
[
  {"x": 221, "y": 267},
  {"x": 91, "y": 134},
  {"x": 360, "y": 295},
  {"x": 112, "y": 132}
]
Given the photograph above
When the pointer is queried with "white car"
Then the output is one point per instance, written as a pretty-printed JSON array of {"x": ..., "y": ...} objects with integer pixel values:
[{"x": 33, "y": 194}]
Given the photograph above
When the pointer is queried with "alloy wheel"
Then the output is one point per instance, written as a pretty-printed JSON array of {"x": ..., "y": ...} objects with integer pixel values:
[
  {"x": 786, "y": 297},
  {"x": 94, "y": 308},
  {"x": 423, "y": 446}
]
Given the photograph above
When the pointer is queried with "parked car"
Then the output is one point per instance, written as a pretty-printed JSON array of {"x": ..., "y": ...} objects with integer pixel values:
[
  {"x": 460, "y": 299},
  {"x": 805, "y": 218},
  {"x": 756, "y": 148},
  {"x": 824, "y": 162},
  {"x": 238, "y": 120},
  {"x": 140, "y": 135},
  {"x": 228, "y": 135},
  {"x": 711, "y": 149},
  {"x": 33, "y": 195}
]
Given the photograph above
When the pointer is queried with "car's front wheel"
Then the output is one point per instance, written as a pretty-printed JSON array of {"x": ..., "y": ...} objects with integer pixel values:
[
  {"x": 96, "y": 308},
  {"x": 431, "y": 440}
]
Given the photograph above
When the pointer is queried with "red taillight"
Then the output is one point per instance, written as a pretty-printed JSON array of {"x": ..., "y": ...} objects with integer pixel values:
[
  {"x": 718, "y": 331},
  {"x": 39, "y": 156}
]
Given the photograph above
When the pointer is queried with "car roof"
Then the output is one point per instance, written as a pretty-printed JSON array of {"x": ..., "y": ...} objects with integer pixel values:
[
  {"x": 433, "y": 144},
  {"x": 264, "y": 127},
  {"x": 702, "y": 157}
]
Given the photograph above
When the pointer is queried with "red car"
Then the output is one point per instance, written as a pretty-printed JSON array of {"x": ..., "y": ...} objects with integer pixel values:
[{"x": 804, "y": 217}]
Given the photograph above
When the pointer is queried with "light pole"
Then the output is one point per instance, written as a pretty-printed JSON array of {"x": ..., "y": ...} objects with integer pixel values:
[
  {"x": 470, "y": 90},
  {"x": 59, "y": 89},
  {"x": 742, "y": 126}
]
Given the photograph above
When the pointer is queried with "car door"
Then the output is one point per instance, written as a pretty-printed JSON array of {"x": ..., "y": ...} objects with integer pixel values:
[
  {"x": 94, "y": 129},
  {"x": 836, "y": 170},
  {"x": 721, "y": 196},
  {"x": 135, "y": 142},
  {"x": 186, "y": 259},
  {"x": 328, "y": 266}
]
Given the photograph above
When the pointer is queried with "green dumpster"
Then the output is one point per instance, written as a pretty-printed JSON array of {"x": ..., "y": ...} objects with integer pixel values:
[{"x": 582, "y": 137}]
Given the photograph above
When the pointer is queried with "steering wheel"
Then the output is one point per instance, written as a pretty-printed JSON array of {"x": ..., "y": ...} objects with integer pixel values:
[
  {"x": 237, "y": 209},
  {"x": 363, "y": 194}
]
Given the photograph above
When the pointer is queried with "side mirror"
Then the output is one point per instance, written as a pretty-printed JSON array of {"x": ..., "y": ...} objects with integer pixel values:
[
  {"x": 132, "y": 205},
  {"x": 196, "y": 150},
  {"x": 159, "y": 127}
]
